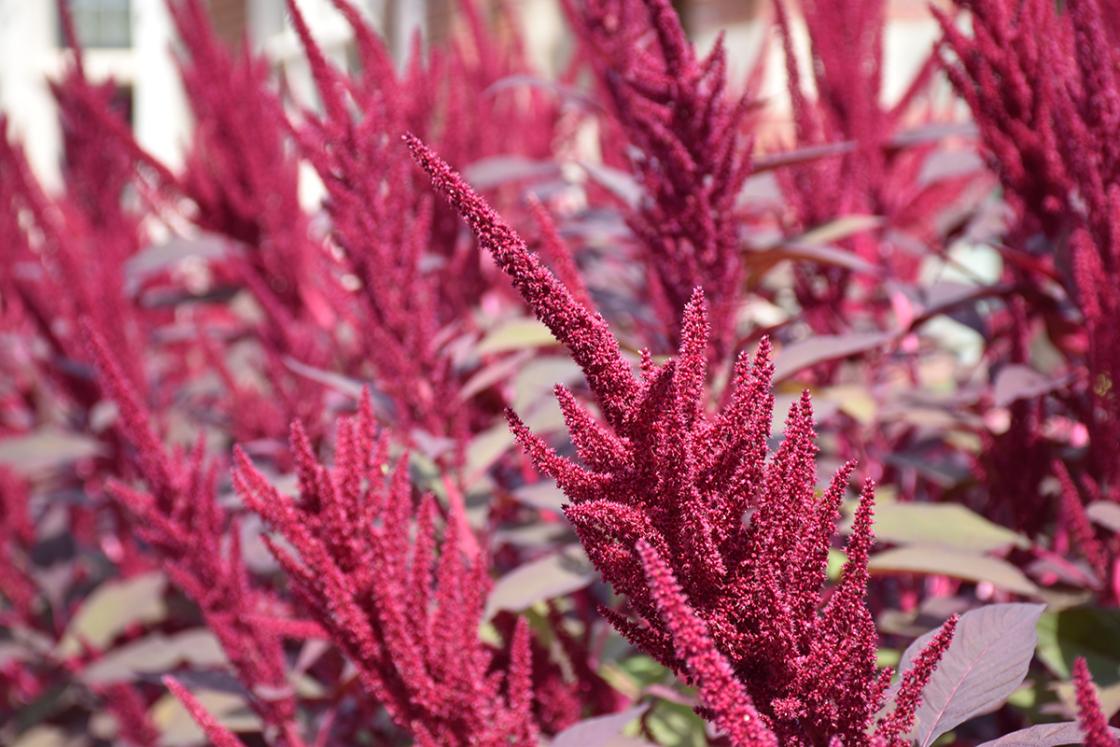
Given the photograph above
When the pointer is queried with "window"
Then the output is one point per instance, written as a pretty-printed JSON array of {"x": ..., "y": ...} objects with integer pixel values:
[{"x": 100, "y": 23}]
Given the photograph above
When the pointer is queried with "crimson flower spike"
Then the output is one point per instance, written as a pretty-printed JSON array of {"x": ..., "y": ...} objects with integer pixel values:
[
  {"x": 584, "y": 332},
  {"x": 218, "y": 735},
  {"x": 707, "y": 667},
  {"x": 737, "y": 608},
  {"x": 1094, "y": 724},
  {"x": 893, "y": 727},
  {"x": 690, "y": 151}
]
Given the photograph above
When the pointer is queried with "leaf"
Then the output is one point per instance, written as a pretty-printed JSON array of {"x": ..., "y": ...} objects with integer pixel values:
[
  {"x": 1042, "y": 735},
  {"x": 1017, "y": 382},
  {"x": 43, "y": 736},
  {"x": 839, "y": 229},
  {"x": 763, "y": 259},
  {"x": 494, "y": 171},
  {"x": 516, "y": 334},
  {"x": 1108, "y": 697},
  {"x": 676, "y": 725},
  {"x": 987, "y": 660},
  {"x": 342, "y": 384},
  {"x": 823, "y": 348},
  {"x": 544, "y": 495},
  {"x": 500, "y": 370},
  {"x": 603, "y": 731},
  {"x": 932, "y": 132},
  {"x": 539, "y": 580},
  {"x": 536, "y": 380},
  {"x": 486, "y": 448},
  {"x": 154, "y": 654},
  {"x": 943, "y": 561},
  {"x": 619, "y": 183},
  {"x": 948, "y": 524},
  {"x": 561, "y": 91},
  {"x": 46, "y": 449},
  {"x": 111, "y": 609},
  {"x": 798, "y": 156},
  {"x": 948, "y": 164},
  {"x": 178, "y": 729},
  {"x": 854, "y": 401},
  {"x": 1105, "y": 513},
  {"x": 1090, "y": 632},
  {"x": 836, "y": 561},
  {"x": 158, "y": 257}
]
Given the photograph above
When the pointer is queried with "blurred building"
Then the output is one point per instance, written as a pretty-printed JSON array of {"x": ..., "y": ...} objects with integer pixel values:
[{"x": 131, "y": 41}]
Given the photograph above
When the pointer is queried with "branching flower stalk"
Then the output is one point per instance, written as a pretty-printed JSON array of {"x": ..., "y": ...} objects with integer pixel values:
[
  {"x": 659, "y": 503},
  {"x": 199, "y": 547},
  {"x": 404, "y": 607},
  {"x": 690, "y": 152}
]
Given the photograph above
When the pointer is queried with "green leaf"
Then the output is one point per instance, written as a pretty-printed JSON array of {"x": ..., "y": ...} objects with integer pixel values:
[
  {"x": 644, "y": 670},
  {"x": 836, "y": 561},
  {"x": 887, "y": 657},
  {"x": 111, "y": 609},
  {"x": 947, "y": 524},
  {"x": 676, "y": 725},
  {"x": 1091, "y": 632},
  {"x": 943, "y": 561},
  {"x": 516, "y": 334}
]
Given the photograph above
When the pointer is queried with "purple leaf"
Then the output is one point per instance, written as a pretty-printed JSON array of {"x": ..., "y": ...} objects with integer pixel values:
[
  {"x": 1105, "y": 513},
  {"x": 603, "y": 731},
  {"x": 496, "y": 171},
  {"x": 562, "y": 92},
  {"x": 986, "y": 662},
  {"x": 1021, "y": 382},
  {"x": 546, "y": 578},
  {"x": 822, "y": 348},
  {"x": 1042, "y": 735}
]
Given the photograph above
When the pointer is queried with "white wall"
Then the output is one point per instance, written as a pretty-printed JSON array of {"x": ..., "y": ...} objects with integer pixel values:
[
  {"x": 161, "y": 119},
  {"x": 27, "y": 55}
]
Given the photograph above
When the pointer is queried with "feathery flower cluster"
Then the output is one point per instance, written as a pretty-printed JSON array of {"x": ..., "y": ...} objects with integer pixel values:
[
  {"x": 659, "y": 508},
  {"x": 1102, "y": 554},
  {"x": 384, "y": 233},
  {"x": 690, "y": 154},
  {"x": 869, "y": 174},
  {"x": 178, "y": 515},
  {"x": 404, "y": 609},
  {"x": 1008, "y": 72},
  {"x": 81, "y": 240},
  {"x": 240, "y": 174},
  {"x": 1043, "y": 84}
]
